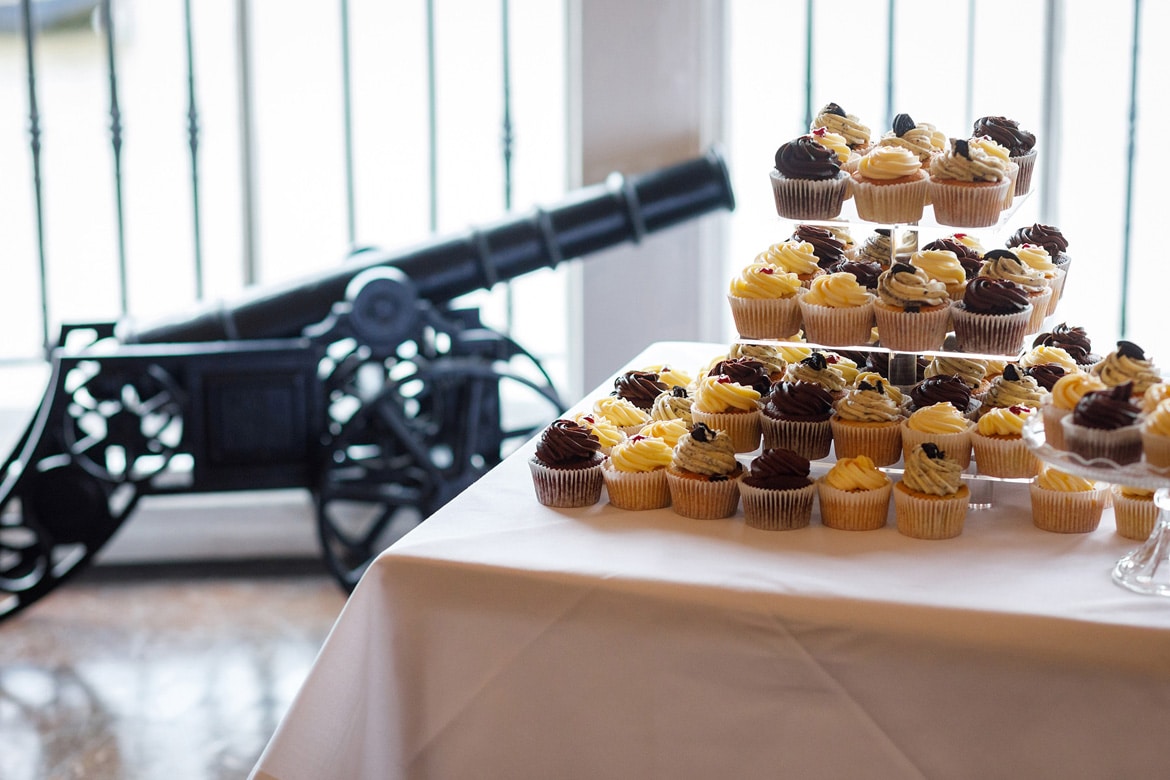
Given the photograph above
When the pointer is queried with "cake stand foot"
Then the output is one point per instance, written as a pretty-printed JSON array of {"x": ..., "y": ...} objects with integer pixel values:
[{"x": 1147, "y": 569}]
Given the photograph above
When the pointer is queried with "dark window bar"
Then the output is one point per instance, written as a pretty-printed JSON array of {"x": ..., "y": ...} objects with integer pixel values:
[
  {"x": 116, "y": 149},
  {"x": 347, "y": 122},
  {"x": 432, "y": 134},
  {"x": 506, "y": 140},
  {"x": 34, "y": 137},
  {"x": 1130, "y": 159},
  {"x": 193, "y": 145}
]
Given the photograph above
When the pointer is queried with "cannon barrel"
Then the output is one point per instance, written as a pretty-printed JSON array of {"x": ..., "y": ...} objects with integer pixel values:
[{"x": 594, "y": 218}]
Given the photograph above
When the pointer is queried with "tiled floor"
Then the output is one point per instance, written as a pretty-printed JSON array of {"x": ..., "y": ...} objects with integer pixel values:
[{"x": 181, "y": 673}]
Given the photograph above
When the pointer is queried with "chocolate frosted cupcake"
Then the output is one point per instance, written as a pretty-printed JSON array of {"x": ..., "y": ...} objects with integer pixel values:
[
  {"x": 992, "y": 318},
  {"x": 746, "y": 371},
  {"x": 566, "y": 468},
  {"x": 912, "y": 311},
  {"x": 1003, "y": 264},
  {"x": 943, "y": 388},
  {"x": 1073, "y": 340},
  {"x": 828, "y": 248},
  {"x": 864, "y": 271},
  {"x": 968, "y": 258},
  {"x": 777, "y": 492},
  {"x": 968, "y": 187},
  {"x": 1021, "y": 145},
  {"x": 639, "y": 388},
  {"x": 703, "y": 475},
  {"x": 931, "y": 500},
  {"x": 1128, "y": 364},
  {"x": 1104, "y": 424},
  {"x": 796, "y": 417},
  {"x": 767, "y": 354},
  {"x": 808, "y": 182}
]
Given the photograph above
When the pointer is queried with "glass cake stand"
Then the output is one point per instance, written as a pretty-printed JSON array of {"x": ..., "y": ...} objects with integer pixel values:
[{"x": 1146, "y": 569}]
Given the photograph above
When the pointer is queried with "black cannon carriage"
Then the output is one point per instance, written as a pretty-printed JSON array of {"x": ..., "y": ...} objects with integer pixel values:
[{"x": 362, "y": 384}]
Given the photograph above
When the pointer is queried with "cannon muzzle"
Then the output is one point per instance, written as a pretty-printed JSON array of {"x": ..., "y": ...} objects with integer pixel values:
[{"x": 594, "y": 218}]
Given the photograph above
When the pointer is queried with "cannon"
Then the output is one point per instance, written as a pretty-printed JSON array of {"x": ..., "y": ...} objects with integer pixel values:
[{"x": 365, "y": 384}]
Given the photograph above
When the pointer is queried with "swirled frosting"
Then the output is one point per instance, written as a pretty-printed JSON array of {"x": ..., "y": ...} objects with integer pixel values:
[
  {"x": 803, "y": 401},
  {"x": 1157, "y": 421},
  {"x": 938, "y": 418},
  {"x": 638, "y": 387},
  {"x": 670, "y": 431},
  {"x": 940, "y": 265},
  {"x": 778, "y": 469},
  {"x": 878, "y": 248},
  {"x": 640, "y": 454},
  {"x": 835, "y": 142},
  {"x": 925, "y": 140},
  {"x": 1072, "y": 340},
  {"x": 1046, "y": 374},
  {"x": 794, "y": 257},
  {"x": 761, "y": 280},
  {"x": 806, "y": 158},
  {"x": 816, "y": 368},
  {"x": 970, "y": 370},
  {"x": 942, "y": 388},
  {"x": 970, "y": 259},
  {"x": 1070, "y": 388},
  {"x": 1046, "y": 355},
  {"x": 706, "y": 451},
  {"x": 1014, "y": 388},
  {"x": 868, "y": 403},
  {"x": 606, "y": 432},
  {"x": 1154, "y": 395},
  {"x": 984, "y": 295},
  {"x": 826, "y": 246},
  {"x": 835, "y": 119},
  {"x": 619, "y": 411},
  {"x": 1046, "y": 236},
  {"x": 963, "y": 163},
  {"x": 909, "y": 288},
  {"x": 745, "y": 371},
  {"x": 928, "y": 470},
  {"x": 837, "y": 291},
  {"x": 866, "y": 273},
  {"x": 565, "y": 444},
  {"x": 1051, "y": 478},
  {"x": 674, "y": 404},
  {"x": 887, "y": 163},
  {"x": 1005, "y": 132},
  {"x": 1127, "y": 364},
  {"x": 766, "y": 354},
  {"x": 989, "y": 147},
  {"x": 717, "y": 394},
  {"x": 872, "y": 378},
  {"x": 1036, "y": 257},
  {"x": 856, "y": 474},
  {"x": 1107, "y": 409},
  {"x": 671, "y": 376}
]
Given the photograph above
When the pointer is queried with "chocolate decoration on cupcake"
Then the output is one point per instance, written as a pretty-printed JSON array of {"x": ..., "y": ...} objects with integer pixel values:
[
  {"x": 1072, "y": 340},
  {"x": 805, "y": 158},
  {"x": 566, "y": 444},
  {"x": 745, "y": 371},
  {"x": 798, "y": 401},
  {"x": 903, "y": 124},
  {"x": 1106, "y": 409},
  {"x": 941, "y": 388},
  {"x": 1053, "y": 241},
  {"x": 985, "y": 295},
  {"x": 778, "y": 469},
  {"x": 829, "y": 249},
  {"x": 968, "y": 257},
  {"x": 639, "y": 388},
  {"x": 1005, "y": 132},
  {"x": 866, "y": 273},
  {"x": 1046, "y": 374}
]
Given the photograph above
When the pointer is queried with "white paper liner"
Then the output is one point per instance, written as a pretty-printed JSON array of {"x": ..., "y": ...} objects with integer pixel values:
[
  {"x": 930, "y": 517},
  {"x": 1156, "y": 449},
  {"x": 809, "y": 198},
  {"x": 1065, "y": 512},
  {"x": 912, "y": 331},
  {"x": 833, "y": 327},
  {"x": 882, "y": 442},
  {"x": 566, "y": 487},
  {"x": 766, "y": 318},
  {"x": 1027, "y": 163},
  {"x": 809, "y": 439},
  {"x": 703, "y": 499},
  {"x": 989, "y": 334},
  {"x": 636, "y": 490},
  {"x": 890, "y": 203},
  {"x": 777, "y": 510},
  {"x": 1004, "y": 457},
  {"x": 853, "y": 510},
  {"x": 960, "y": 204},
  {"x": 1135, "y": 517},
  {"x": 1122, "y": 446}
]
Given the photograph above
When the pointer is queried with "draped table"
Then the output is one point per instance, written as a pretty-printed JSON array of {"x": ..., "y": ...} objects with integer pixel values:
[{"x": 505, "y": 639}]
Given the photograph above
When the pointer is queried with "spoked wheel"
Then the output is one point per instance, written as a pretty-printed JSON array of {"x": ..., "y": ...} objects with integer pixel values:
[{"x": 432, "y": 430}]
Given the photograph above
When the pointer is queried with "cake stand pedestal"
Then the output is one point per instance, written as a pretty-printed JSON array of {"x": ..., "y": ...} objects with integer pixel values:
[{"x": 1146, "y": 569}]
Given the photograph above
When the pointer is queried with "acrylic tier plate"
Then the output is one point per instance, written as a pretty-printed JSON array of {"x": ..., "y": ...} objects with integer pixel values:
[{"x": 1146, "y": 569}]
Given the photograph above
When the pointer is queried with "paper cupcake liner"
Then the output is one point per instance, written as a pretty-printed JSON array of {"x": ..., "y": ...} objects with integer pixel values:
[
  {"x": 1056, "y": 284},
  {"x": 1005, "y": 457},
  {"x": 703, "y": 499},
  {"x": 1039, "y": 303},
  {"x": 882, "y": 442},
  {"x": 1053, "y": 432},
  {"x": 765, "y": 318},
  {"x": 1135, "y": 517},
  {"x": 809, "y": 198},
  {"x": 1024, "y": 178},
  {"x": 1156, "y": 449},
  {"x": 809, "y": 439},
  {"x": 921, "y": 516},
  {"x": 742, "y": 427},
  {"x": 637, "y": 490},
  {"x": 853, "y": 510},
  {"x": 1066, "y": 512},
  {"x": 1121, "y": 446},
  {"x": 912, "y": 331},
  {"x": 1013, "y": 174},
  {"x": 777, "y": 510},
  {"x": 890, "y": 203},
  {"x": 566, "y": 487},
  {"x": 832, "y": 327},
  {"x": 957, "y": 446},
  {"x": 989, "y": 334},
  {"x": 967, "y": 204}
]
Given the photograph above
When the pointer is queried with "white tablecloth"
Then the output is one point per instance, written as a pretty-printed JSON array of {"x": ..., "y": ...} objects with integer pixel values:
[{"x": 504, "y": 639}]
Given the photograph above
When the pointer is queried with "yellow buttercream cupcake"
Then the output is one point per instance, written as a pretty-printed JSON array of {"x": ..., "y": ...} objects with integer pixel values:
[
  {"x": 793, "y": 257},
  {"x": 765, "y": 302},
  {"x": 997, "y": 442},
  {"x": 837, "y": 311},
  {"x": 1134, "y": 511},
  {"x": 1060, "y": 402},
  {"x": 854, "y": 495},
  {"x": 942, "y": 424},
  {"x": 728, "y": 406},
  {"x": 1065, "y": 503},
  {"x": 1156, "y": 436},
  {"x": 606, "y": 432},
  {"x": 621, "y": 413},
  {"x": 670, "y": 431},
  {"x": 635, "y": 473},
  {"x": 889, "y": 186}
]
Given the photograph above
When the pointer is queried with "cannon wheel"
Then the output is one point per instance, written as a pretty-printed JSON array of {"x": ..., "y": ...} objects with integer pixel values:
[{"x": 417, "y": 444}]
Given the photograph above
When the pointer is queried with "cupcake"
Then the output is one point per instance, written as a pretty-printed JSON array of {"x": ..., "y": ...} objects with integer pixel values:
[
  {"x": 1154, "y": 395},
  {"x": 767, "y": 355},
  {"x": 635, "y": 473},
  {"x": 970, "y": 259},
  {"x": 992, "y": 318},
  {"x": 1036, "y": 257},
  {"x": 674, "y": 404},
  {"x": 728, "y": 406},
  {"x": 1073, "y": 340},
  {"x": 1104, "y": 424},
  {"x": 931, "y": 500},
  {"x": 854, "y": 495},
  {"x": 1128, "y": 364},
  {"x": 889, "y": 186},
  {"x": 1003, "y": 264},
  {"x": 606, "y": 433},
  {"x": 942, "y": 388},
  {"x": 1134, "y": 511},
  {"x": 971, "y": 371},
  {"x": 671, "y": 376},
  {"x": 1053, "y": 241},
  {"x": 878, "y": 247},
  {"x": 967, "y": 186},
  {"x": 627, "y": 417},
  {"x": 942, "y": 265},
  {"x": 777, "y": 492},
  {"x": 808, "y": 182},
  {"x": 912, "y": 311},
  {"x": 1021, "y": 146},
  {"x": 1013, "y": 388},
  {"x": 829, "y": 249},
  {"x": 867, "y": 421},
  {"x": 670, "y": 431},
  {"x": 566, "y": 467},
  {"x": 942, "y": 424},
  {"x": 703, "y": 475},
  {"x": 1066, "y": 504},
  {"x": 997, "y": 442},
  {"x": 992, "y": 149},
  {"x": 836, "y": 143},
  {"x": 836, "y": 120},
  {"x": 639, "y": 388},
  {"x": 837, "y": 311},
  {"x": 1043, "y": 355},
  {"x": 1156, "y": 436},
  {"x": 795, "y": 416},
  {"x": 817, "y": 369},
  {"x": 746, "y": 371},
  {"x": 1060, "y": 402},
  {"x": 924, "y": 140},
  {"x": 793, "y": 257}
]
